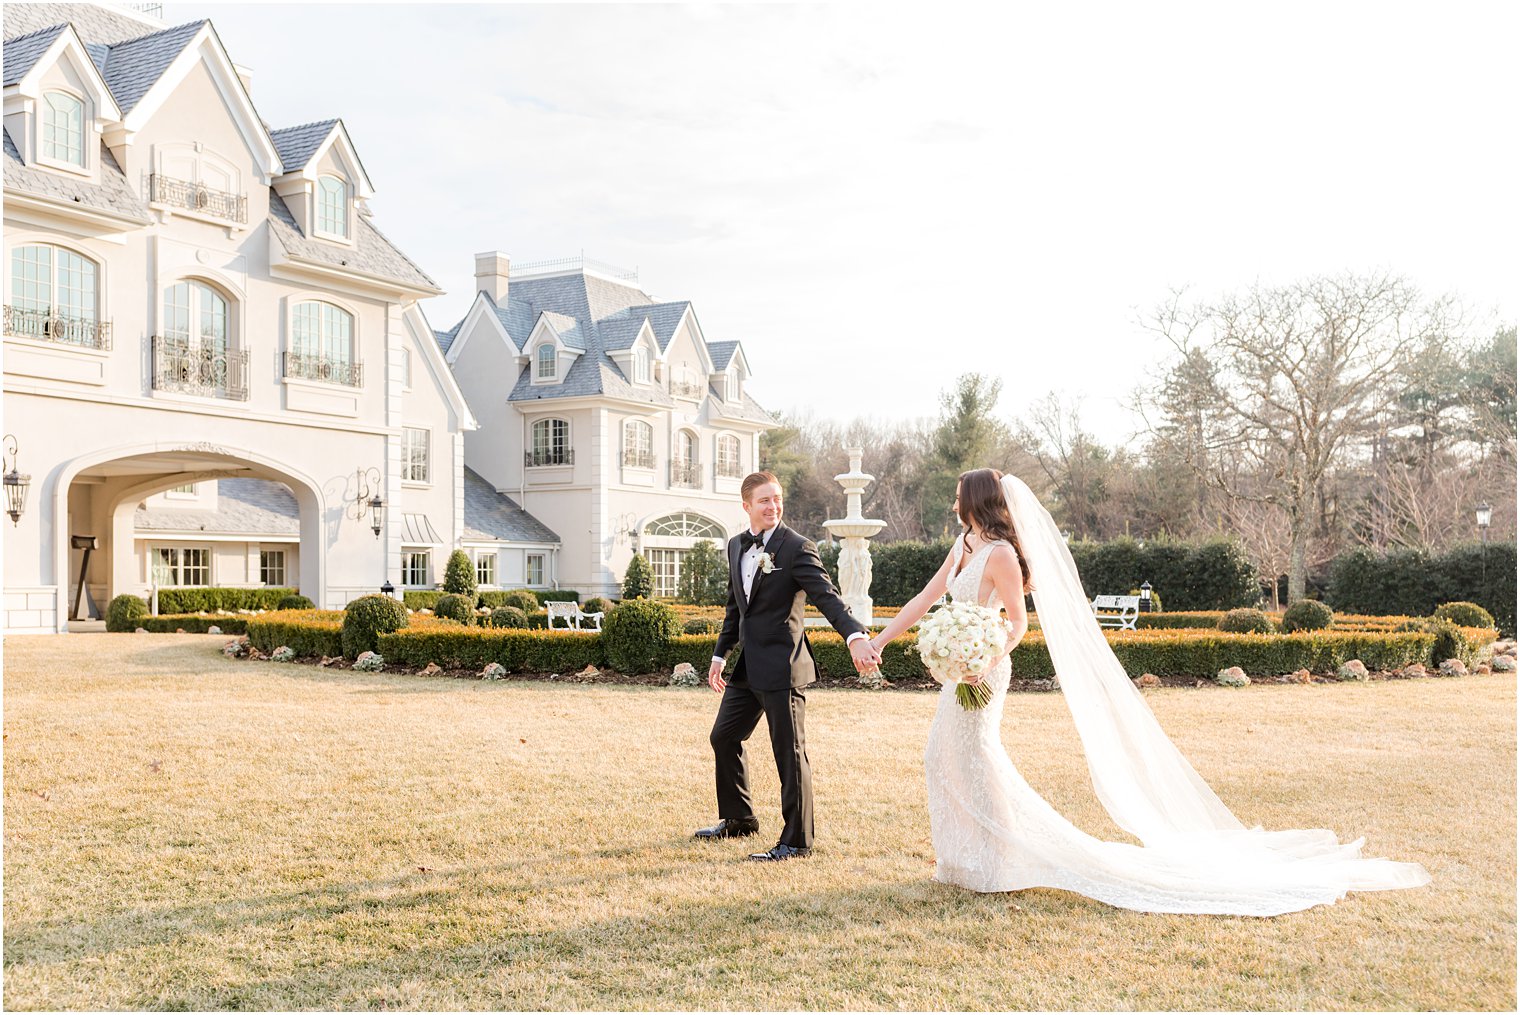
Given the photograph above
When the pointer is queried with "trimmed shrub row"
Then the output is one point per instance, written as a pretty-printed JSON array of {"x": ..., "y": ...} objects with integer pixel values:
[
  {"x": 308, "y": 632},
  {"x": 427, "y": 599},
  {"x": 471, "y": 648},
  {"x": 194, "y": 623},
  {"x": 195, "y": 600},
  {"x": 1414, "y": 583}
]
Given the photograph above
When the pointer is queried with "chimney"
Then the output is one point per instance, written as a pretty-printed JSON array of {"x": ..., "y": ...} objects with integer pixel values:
[{"x": 491, "y": 272}]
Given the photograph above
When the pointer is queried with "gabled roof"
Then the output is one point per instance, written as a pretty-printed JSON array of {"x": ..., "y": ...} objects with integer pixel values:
[
  {"x": 297, "y": 145},
  {"x": 133, "y": 67},
  {"x": 23, "y": 51},
  {"x": 620, "y": 332},
  {"x": 372, "y": 254},
  {"x": 721, "y": 353},
  {"x": 492, "y": 515},
  {"x": 569, "y": 329},
  {"x": 747, "y": 408}
]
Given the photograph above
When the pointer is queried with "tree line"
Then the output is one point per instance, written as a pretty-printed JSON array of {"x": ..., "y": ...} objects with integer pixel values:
[{"x": 1303, "y": 420}]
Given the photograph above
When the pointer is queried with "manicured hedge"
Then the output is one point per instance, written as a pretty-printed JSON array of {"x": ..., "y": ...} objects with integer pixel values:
[
  {"x": 426, "y": 599},
  {"x": 308, "y": 632},
  {"x": 195, "y": 600},
  {"x": 1414, "y": 583},
  {"x": 471, "y": 648},
  {"x": 195, "y": 623}
]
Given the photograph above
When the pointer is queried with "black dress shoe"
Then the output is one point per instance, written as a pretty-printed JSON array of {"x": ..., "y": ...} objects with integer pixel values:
[
  {"x": 781, "y": 851},
  {"x": 729, "y": 828}
]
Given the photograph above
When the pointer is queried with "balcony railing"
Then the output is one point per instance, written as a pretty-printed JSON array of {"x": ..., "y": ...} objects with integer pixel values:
[
  {"x": 46, "y": 326},
  {"x": 685, "y": 473},
  {"x": 316, "y": 367},
  {"x": 204, "y": 368},
  {"x": 188, "y": 194},
  {"x": 638, "y": 459},
  {"x": 729, "y": 470},
  {"x": 687, "y": 389},
  {"x": 549, "y": 456}
]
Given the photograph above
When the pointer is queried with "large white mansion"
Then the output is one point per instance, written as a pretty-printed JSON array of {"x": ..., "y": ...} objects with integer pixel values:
[{"x": 217, "y": 371}]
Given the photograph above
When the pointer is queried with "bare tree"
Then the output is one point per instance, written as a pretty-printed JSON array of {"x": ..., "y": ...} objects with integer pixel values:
[{"x": 1279, "y": 379}]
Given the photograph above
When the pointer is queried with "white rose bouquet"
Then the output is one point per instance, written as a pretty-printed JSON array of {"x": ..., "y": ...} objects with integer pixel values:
[{"x": 960, "y": 641}]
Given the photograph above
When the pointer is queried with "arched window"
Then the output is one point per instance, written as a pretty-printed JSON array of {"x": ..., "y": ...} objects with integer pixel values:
[
  {"x": 683, "y": 462},
  {"x": 332, "y": 206},
  {"x": 63, "y": 128},
  {"x": 666, "y": 542},
  {"x": 322, "y": 344},
  {"x": 551, "y": 443},
  {"x": 195, "y": 313},
  {"x": 638, "y": 444},
  {"x": 54, "y": 296},
  {"x": 728, "y": 456},
  {"x": 547, "y": 359},
  {"x": 686, "y": 525},
  {"x": 641, "y": 366}
]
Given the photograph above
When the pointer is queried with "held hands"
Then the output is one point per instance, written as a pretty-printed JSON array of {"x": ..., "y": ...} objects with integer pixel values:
[
  {"x": 865, "y": 654},
  {"x": 715, "y": 676}
]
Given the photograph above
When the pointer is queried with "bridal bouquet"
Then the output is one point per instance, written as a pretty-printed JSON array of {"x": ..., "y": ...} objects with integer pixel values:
[{"x": 959, "y": 641}]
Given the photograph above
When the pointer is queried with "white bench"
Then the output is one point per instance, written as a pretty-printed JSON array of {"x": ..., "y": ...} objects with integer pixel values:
[
  {"x": 1116, "y": 611},
  {"x": 571, "y": 614}
]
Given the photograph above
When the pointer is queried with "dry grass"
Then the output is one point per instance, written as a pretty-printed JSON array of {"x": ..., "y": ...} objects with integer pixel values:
[{"x": 185, "y": 831}]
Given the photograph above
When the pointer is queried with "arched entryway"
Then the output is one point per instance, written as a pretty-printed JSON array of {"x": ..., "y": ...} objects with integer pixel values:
[
  {"x": 665, "y": 542},
  {"x": 95, "y": 498}
]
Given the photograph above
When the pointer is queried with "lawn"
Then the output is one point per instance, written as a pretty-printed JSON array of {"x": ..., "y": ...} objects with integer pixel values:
[{"x": 187, "y": 831}]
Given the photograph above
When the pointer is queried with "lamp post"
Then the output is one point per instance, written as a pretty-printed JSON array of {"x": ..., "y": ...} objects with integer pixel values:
[
  {"x": 16, "y": 483},
  {"x": 1485, "y": 519},
  {"x": 1145, "y": 596}
]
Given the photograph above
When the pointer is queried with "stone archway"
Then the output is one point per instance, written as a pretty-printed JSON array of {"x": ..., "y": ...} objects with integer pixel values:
[{"x": 100, "y": 492}]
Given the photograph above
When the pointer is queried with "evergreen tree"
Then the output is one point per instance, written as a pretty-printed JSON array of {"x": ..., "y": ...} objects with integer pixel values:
[
  {"x": 638, "y": 580},
  {"x": 459, "y": 575},
  {"x": 704, "y": 576}
]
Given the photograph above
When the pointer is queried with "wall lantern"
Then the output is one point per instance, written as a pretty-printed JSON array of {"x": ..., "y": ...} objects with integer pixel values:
[{"x": 16, "y": 483}]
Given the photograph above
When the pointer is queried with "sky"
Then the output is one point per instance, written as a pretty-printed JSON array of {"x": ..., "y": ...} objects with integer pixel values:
[{"x": 876, "y": 198}]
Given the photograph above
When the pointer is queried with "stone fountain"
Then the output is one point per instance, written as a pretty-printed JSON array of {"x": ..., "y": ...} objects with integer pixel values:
[{"x": 854, "y": 532}]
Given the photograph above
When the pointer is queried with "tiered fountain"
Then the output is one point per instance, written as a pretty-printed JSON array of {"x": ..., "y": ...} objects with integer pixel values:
[{"x": 854, "y": 532}]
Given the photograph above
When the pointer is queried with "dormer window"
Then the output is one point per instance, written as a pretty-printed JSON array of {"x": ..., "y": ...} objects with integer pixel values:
[
  {"x": 641, "y": 366},
  {"x": 63, "y": 128},
  {"x": 732, "y": 388},
  {"x": 332, "y": 207},
  {"x": 546, "y": 361}
]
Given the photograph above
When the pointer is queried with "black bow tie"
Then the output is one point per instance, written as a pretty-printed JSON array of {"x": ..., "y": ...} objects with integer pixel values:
[{"x": 748, "y": 539}]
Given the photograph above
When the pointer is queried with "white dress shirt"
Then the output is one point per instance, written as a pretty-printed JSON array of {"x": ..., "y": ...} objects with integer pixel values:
[{"x": 749, "y": 566}]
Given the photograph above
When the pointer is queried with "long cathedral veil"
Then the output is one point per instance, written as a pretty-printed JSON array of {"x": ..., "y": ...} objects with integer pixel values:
[{"x": 1143, "y": 781}]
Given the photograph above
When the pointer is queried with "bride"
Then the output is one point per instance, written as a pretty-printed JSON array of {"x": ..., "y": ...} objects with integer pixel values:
[{"x": 993, "y": 833}]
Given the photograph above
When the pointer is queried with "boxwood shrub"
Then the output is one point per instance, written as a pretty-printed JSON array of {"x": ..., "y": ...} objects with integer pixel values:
[
  {"x": 1307, "y": 615},
  {"x": 635, "y": 634},
  {"x": 472, "y": 648},
  {"x": 365, "y": 619},
  {"x": 125, "y": 613},
  {"x": 195, "y": 600},
  {"x": 455, "y": 606},
  {"x": 195, "y": 623},
  {"x": 308, "y": 632},
  {"x": 1464, "y": 614}
]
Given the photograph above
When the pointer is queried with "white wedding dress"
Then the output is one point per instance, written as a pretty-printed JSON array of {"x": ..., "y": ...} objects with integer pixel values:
[{"x": 993, "y": 833}]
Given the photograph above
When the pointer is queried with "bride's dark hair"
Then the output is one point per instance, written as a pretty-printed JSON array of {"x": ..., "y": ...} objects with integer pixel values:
[{"x": 980, "y": 492}]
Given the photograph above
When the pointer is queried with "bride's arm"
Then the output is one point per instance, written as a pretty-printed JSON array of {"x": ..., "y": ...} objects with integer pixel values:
[{"x": 917, "y": 606}]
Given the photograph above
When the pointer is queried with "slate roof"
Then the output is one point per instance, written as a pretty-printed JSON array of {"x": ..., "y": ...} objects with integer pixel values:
[
  {"x": 95, "y": 23},
  {"x": 722, "y": 353},
  {"x": 251, "y": 506},
  {"x": 492, "y": 515},
  {"x": 113, "y": 193},
  {"x": 297, "y": 145},
  {"x": 134, "y": 66},
  {"x": 371, "y": 254},
  {"x": 446, "y": 338},
  {"x": 23, "y": 52}
]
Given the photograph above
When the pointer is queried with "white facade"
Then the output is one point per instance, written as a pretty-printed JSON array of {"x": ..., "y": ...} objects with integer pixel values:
[{"x": 181, "y": 305}]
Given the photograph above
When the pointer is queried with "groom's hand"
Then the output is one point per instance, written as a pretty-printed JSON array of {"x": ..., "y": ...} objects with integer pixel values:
[
  {"x": 715, "y": 676},
  {"x": 864, "y": 654}
]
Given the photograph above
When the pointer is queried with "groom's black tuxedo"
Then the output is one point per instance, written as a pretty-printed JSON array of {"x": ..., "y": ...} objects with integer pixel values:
[{"x": 775, "y": 663}]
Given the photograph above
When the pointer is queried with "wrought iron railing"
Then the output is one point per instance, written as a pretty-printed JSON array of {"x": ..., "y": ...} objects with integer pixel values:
[
  {"x": 581, "y": 263},
  {"x": 46, "y": 326},
  {"x": 686, "y": 389},
  {"x": 549, "y": 456},
  {"x": 200, "y": 368},
  {"x": 189, "y": 194},
  {"x": 729, "y": 470},
  {"x": 685, "y": 473},
  {"x": 638, "y": 459},
  {"x": 316, "y": 367}
]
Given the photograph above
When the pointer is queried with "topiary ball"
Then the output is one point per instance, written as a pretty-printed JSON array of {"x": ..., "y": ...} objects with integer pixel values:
[
  {"x": 523, "y": 599},
  {"x": 1464, "y": 614},
  {"x": 1449, "y": 642},
  {"x": 294, "y": 602},
  {"x": 596, "y": 604},
  {"x": 455, "y": 607},
  {"x": 1245, "y": 621},
  {"x": 125, "y": 613},
  {"x": 635, "y": 634},
  {"x": 508, "y": 616},
  {"x": 702, "y": 625},
  {"x": 1306, "y": 615},
  {"x": 368, "y": 617}
]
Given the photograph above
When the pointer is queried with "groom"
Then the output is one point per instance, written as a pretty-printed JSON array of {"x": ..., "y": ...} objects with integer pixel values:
[{"x": 772, "y": 572}]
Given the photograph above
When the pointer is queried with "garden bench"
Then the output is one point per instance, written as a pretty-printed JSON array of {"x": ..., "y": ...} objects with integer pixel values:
[
  {"x": 1116, "y": 611},
  {"x": 571, "y": 614}
]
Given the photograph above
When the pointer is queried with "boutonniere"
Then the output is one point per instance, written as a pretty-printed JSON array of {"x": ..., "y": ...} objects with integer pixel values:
[{"x": 767, "y": 563}]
